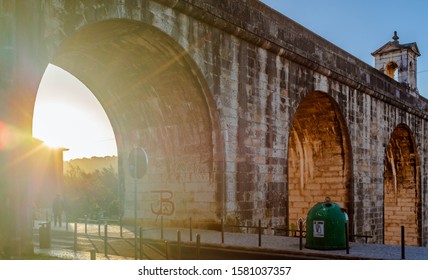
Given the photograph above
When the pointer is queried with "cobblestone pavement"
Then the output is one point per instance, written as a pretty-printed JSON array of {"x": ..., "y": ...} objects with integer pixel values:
[{"x": 63, "y": 244}]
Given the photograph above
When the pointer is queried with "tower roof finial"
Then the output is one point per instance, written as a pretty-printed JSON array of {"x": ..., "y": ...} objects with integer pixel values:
[{"x": 395, "y": 37}]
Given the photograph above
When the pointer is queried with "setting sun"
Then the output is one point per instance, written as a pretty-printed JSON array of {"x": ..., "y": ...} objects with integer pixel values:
[{"x": 68, "y": 115}]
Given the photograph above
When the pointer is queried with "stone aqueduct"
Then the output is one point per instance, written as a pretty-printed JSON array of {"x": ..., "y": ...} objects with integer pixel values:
[{"x": 244, "y": 114}]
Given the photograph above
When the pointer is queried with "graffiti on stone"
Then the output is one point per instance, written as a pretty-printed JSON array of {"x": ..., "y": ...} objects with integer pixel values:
[{"x": 164, "y": 205}]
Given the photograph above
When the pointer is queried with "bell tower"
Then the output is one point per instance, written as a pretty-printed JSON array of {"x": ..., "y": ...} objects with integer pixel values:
[{"x": 398, "y": 61}]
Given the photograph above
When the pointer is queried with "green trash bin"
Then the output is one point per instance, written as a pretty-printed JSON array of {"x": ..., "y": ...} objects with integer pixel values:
[{"x": 326, "y": 227}]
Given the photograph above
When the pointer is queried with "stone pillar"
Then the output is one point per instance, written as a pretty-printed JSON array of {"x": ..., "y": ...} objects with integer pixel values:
[{"x": 21, "y": 68}]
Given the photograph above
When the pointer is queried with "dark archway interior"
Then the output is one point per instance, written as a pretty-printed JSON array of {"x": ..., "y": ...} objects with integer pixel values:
[
  {"x": 155, "y": 99},
  {"x": 319, "y": 156},
  {"x": 402, "y": 189}
]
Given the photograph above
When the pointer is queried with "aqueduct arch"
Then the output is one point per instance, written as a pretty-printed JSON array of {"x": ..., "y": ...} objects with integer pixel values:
[
  {"x": 402, "y": 189},
  {"x": 155, "y": 98},
  {"x": 319, "y": 156}
]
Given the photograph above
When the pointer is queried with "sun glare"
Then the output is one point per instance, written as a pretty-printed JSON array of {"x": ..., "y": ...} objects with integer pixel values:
[{"x": 68, "y": 115}]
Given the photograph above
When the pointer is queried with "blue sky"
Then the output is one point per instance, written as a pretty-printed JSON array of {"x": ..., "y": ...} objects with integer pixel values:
[
  {"x": 362, "y": 26},
  {"x": 73, "y": 119}
]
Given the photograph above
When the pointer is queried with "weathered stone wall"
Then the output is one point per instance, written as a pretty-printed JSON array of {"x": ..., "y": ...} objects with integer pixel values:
[{"x": 371, "y": 105}]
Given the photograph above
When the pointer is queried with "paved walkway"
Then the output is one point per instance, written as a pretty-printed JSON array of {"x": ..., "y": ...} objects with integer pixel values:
[{"x": 240, "y": 240}]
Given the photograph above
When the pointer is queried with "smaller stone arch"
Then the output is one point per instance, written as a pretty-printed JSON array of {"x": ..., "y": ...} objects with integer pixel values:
[
  {"x": 319, "y": 156},
  {"x": 402, "y": 191}
]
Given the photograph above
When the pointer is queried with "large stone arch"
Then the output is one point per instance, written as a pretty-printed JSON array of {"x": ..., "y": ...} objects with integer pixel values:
[
  {"x": 155, "y": 98},
  {"x": 402, "y": 188},
  {"x": 319, "y": 158}
]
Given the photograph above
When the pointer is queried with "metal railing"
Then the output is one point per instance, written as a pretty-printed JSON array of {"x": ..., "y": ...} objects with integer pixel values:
[{"x": 94, "y": 227}]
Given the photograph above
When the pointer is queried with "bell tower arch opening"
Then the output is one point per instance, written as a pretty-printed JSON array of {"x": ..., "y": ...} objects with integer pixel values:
[
  {"x": 402, "y": 190},
  {"x": 156, "y": 99},
  {"x": 319, "y": 157},
  {"x": 392, "y": 70}
]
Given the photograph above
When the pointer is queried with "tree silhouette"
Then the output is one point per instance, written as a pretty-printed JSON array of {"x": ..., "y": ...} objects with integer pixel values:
[{"x": 94, "y": 194}]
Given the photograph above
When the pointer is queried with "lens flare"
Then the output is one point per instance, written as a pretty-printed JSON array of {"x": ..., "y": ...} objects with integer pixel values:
[
  {"x": 5, "y": 135},
  {"x": 10, "y": 136}
]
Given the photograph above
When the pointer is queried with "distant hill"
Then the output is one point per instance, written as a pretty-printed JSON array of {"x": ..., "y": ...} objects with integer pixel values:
[{"x": 89, "y": 165}]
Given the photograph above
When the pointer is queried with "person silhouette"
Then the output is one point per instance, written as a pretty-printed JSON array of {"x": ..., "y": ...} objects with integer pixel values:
[{"x": 57, "y": 210}]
